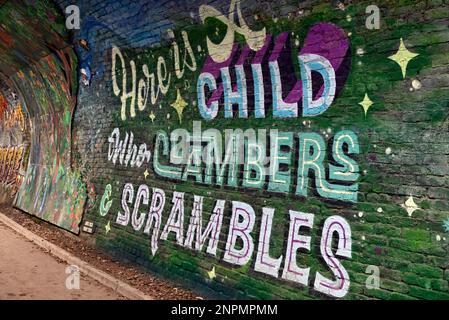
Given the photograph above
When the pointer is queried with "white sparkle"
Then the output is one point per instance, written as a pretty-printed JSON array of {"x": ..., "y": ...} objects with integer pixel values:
[{"x": 410, "y": 206}]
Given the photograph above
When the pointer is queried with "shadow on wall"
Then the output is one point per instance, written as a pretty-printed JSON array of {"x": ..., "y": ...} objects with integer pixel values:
[{"x": 35, "y": 56}]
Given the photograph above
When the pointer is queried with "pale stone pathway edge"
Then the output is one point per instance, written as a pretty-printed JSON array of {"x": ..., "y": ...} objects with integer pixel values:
[{"x": 105, "y": 279}]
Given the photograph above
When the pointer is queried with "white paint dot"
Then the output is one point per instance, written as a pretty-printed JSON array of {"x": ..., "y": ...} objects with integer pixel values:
[
  {"x": 297, "y": 42},
  {"x": 388, "y": 151},
  {"x": 380, "y": 210},
  {"x": 363, "y": 238},
  {"x": 360, "y": 214},
  {"x": 411, "y": 89},
  {"x": 416, "y": 84},
  {"x": 168, "y": 115},
  {"x": 438, "y": 237},
  {"x": 329, "y": 130},
  {"x": 360, "y": 51},
  {"x": 199, "y": 48},
  {"x": 348, "y": 18}
]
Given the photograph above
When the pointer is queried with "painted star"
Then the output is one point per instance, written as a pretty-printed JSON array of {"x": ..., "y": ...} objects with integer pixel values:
[
  {"x": 212, "y": 274},
  {"x": 410, "y": 206},
  {"x": 146, "y": 174},
  {"x": 108, "y": 227},
  {"x": 179, "y": 105},
  {"x": 366, "y": 103},
  {"x": 403, "y": 57},
  {"x": 446, "y": 225},
  {"x": 152, "y": 116}
]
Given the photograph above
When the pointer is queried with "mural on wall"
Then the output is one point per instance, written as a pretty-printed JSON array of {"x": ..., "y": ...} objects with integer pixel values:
[
  {"x": 13, "y": 144},
  {"x": 267, "y": 166},
  {"x": 253, "y": 149},
  {"x": 51, "y": 190},
  {"x": 42, "y": 68},
  {"x": 10, "y": 164},
  {"x": 269, "y": 150}
]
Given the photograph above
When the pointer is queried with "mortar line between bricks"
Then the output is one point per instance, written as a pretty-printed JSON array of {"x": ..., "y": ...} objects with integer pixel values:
[{"x": 102, "y": 277}]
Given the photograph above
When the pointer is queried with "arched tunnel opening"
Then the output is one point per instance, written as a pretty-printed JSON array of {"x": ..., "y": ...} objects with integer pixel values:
[{"x": 38, "y": 90}]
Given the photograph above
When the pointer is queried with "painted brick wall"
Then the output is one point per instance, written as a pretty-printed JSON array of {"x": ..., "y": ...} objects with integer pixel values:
[
  {"x": 387, "y": 205},
  {"x": 14, "y": 143}
]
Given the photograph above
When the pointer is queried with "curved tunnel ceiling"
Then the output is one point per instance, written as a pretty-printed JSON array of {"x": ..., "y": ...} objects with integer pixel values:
[
  {"x": 28, "y": 33},
  {"x": 39, "y": 65}
]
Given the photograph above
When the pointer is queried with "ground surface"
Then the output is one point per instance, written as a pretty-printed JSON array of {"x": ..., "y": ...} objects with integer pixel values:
[
  {"x": 81, "y": 248},
  {"x": 27, "y": 272}
]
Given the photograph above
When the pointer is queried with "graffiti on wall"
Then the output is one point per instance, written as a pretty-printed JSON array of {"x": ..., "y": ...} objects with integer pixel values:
[
  {"x": 15, "y": 117},
  {"x": 41, "y": 65},
  {"x": 13, "y": 143},
  {"x": 269, "y": 150}
]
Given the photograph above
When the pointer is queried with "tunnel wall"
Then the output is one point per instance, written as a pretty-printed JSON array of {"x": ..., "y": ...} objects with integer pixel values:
[
  {"x": 353, "y": 200},
  {"x": 39, "y": 66}
]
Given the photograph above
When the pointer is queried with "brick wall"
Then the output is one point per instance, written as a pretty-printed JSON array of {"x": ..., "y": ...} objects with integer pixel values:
[
  {"x": 14, "y": 142},
  {"x": 383, "y": 211}
]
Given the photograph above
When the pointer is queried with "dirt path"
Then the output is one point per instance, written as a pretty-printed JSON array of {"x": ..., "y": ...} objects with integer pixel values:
[{"x": 27, "y": 272}]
